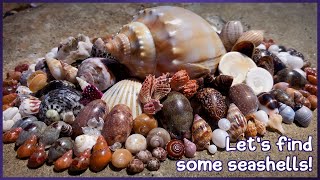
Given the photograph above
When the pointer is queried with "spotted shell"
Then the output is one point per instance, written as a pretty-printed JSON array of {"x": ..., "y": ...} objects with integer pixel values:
[
  {"x": 175, "y": 149},
  {"x": 164, "y": 46}
]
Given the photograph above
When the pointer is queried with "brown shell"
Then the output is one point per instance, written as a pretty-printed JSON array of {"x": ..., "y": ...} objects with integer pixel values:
[
  {"x": 313, "y": 89},
  {"x": 255, "y": 36},
  {"x": 12, "y": 135},
  {"x": 37, "y": 80},
  {"x": 147, "y": 89},
  {"x": 251, "y": 130},
  {"x": 266, "y": 62},
  {"x": 190, "y": 88},
  {"x": 312, "y": 79},
  {"x": 179, "y": 79},
  {"x": 101, "y": 155},
  {"x": 81, "y": 162},
  {"x": 175, "y": 149},
  {"x": 143, "y": 123},
  {"x": 38, "y": 158},
  {"x": 313, "y": 101},
  {"x": 238, "y": 123},
  {"x": 261, "y": 128},
  {"x": 244, "y": 47},
  {"x": 201, "y": 133},
  {"x": 64, "y": 162},
  {"x": 9, "y": 99},
  {"x": 161, "y": 86},
  {"x": 311, "y": 71},
  {"x": 27, "y": 148},
  {"x": 118, "y": 124}
]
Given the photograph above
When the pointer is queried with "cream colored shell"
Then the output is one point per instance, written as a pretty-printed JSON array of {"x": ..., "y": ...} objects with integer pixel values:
[
  {"x": 124, "y": 92},
  {"x": 167, "y": 39}
]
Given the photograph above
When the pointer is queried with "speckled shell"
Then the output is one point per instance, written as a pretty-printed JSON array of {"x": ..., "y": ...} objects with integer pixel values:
[
  {"x": 294, "y": 78},
  {"x": 238, "y": 123},
  {"x": 158, "y": 137},
  {"x": 52, "y": 85},
  {"x": 60, "y": 100},
  {"x": 159, "y": 153},
  {"x": 135, "y": 166},
  {"x": 95, "y": 109},
  {"x": 282, "y": 96},
  {"x": 34, "y": 128},
  {"x": 212, "y": 104},
  {"x": 118, "y": 124},
  {"x": 255, "y": 36},
  {"x": 164, "y": 43},
  {"x": 124, "y": 92},
  {"x": 244, "y": 98},
  {"x": 176, "y": 115},
  {"x": 144, "y": 156},
  {"x": 175, "y": 149},
  {"x": 201, "y": 133},
  {"x": 303, "y": 116},
  {"x": 153, "y": 164},
  {"x": 230, "y": 33}
]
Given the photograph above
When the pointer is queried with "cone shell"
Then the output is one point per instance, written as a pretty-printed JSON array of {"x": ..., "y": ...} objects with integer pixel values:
[
  {"x": 255, "y": 36},
  {"x": 201, "y": 133},
  {"x": 230, "y": 33},
  {"x": 37, "y": 81},
  {"x": 238, "y": 123},
  {"x": 124, "y": 92}
]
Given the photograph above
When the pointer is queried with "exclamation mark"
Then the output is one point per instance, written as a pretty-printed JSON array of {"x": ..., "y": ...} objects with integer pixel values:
[{"x": 310, "y": 163}]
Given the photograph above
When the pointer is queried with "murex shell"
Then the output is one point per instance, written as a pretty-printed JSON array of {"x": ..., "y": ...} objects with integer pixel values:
[
  {"x": 163, "y": 46},
  {"x": 124, "y": 92}
]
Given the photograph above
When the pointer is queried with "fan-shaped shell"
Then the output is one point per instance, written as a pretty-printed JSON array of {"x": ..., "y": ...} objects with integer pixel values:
[
  {"x": 124, "y": 92},
  {"x": 158, "y": 41},
  {"x": 255, "y": 36}
]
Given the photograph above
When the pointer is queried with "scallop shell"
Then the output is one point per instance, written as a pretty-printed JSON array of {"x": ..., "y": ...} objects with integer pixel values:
[
  {"x": 238, "y": 123},
  {"x": 124, "y": 92},
  {"x": 164, "y": 43},
  {"x": 37, "y": 81},
  {"x": 303, "y": 116},
  {"x": 259, "y": 79},
  {"x": 230, "y": 33},
  {"x": 255, "y": 36}
]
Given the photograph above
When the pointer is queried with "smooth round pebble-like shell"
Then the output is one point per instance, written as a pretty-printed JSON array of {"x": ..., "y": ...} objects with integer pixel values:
[
  {"x": 259, "y": 79},
  {"x": 212, "y": 149},
  {"x": 224, "y": 124},
  {"x": 136, "y": 143},
  {"x": 287, "y": 113},
  {"x": 219, "y": 138},
  {"x": 121, "y": 158},
  {"x": 143, "y": 123},
  {"x": 303, "y": 116}
]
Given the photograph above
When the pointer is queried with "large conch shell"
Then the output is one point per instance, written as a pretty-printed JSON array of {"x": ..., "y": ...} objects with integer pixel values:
[{"x": 167, "y": 39}]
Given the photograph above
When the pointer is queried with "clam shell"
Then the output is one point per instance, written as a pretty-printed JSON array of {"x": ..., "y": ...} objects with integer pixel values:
[
  {"x": 259, "y": 79},
  {"x": 255, "y": 36},
  {"x": 37, "y": 81},
  {"x": 124, "y": 92},
  {"x": 230, "y": 33},
  {"x": 303, "y": 116}
]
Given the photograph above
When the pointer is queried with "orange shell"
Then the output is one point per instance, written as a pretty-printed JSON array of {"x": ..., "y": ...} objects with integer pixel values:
[
  {"x": 64, "y": 162},
  {"x": 37, "y": 81},
  {"x": 190, "y": 88},
  {"x": 179, "y": 79},
  {"x": 8, "y": 99},
  {"x": 251, "y": 130},
  {"x": 147, "y": 89},
  {"x": 27, "y": 148}
]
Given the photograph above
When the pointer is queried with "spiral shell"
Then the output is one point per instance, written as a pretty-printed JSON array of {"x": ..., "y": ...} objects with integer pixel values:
[
  {"x": 303, "y": 116},
  {"x": 190, "y": 148},
  {"x": 144, "y": 156},
  {"x": 158, "y": 54},
  {"x": 143, "y": 123},
  {"x": 159, "y": 153},
  {"x": 175, "y": 149},
  {"x": 201, "y": 132},
  {"x": 230, "y": 33},
  {"x": 158, "y": 137},
  {"x": 275, "y": 121},
  {"x": 124, "y": 92},
  {"x": 238, "y": 123},
  {"x": 244, "y": 47}
]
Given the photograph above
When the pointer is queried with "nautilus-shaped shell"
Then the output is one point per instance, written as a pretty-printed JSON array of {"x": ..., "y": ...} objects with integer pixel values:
[{"x": 167, "y": 39}]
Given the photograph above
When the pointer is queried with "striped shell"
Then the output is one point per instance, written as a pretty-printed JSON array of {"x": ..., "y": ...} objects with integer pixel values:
[
  {"x": 255, "y": 36},
  {"x": 230, "y": 33},
  {"x": 175, "y": 149},
  {"x": 303, "y": 116},
  {"x": 37, "y": 81},
  {"x": 29, "y": 106},
  {"x": 268, "y": 103},
  {"x": 201, "y": 132},
  {"x": 238, "y": 123},
  {"x": 124, "y": 92}
]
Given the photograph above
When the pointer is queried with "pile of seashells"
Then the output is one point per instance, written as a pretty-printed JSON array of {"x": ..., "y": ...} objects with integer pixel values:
[{"x": 149, "y": 93}]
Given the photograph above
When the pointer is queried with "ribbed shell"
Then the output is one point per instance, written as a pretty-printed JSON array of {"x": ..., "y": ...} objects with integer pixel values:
[
  {"x": 255, "y": 36},
  {"x": 124, "y": 92},
  {"x": 238, "y": 123},
  {"x": 201, "y": 133},
  {"x": 230, "y": 33}
]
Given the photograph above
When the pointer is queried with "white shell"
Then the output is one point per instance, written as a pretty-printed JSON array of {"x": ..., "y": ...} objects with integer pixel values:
[
  {"x": 53, "y": 53},
  {"x": 212, "y": 149},
  {"x": 236, "y": 65},
  {"x": 11, "y": 113},
  {"x": 136, "y": 143},
  {"x": 7, "y": 125},
  {"x": 84, "y": 142},
  {"x": 219, "y": 138},
  {"x": 260, "y": 80},
  {"x": 224, "y": 124},
  {"x": 29, "y": 106},
  {"x": 261, "y": 116},
  {"x": 124, "y": 92},
  {"x": 262, "y": 46},
  {"x": 294, "y": 62},
  {"x": 283, "y": 56},
  {"x": 55, "y": 68},
  {"x": 23, "y": 90},
  {"x": 230, "y": 33},
  {"x": 274, "y": 49}
]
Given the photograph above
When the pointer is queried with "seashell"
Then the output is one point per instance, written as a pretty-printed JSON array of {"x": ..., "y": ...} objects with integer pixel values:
[
  {"x": 238, "y": 124},
  {"x": 224, "y": 124},
  {"x": 190, "y": 148},
  {"x": 261, "y": 127},
  {"x": 251, "y": 130},
  {"x": 74, "y": 48},
  {"x": 121, "y": 158},
  {"x": 287, "y": 113},
  {"x": 143, "y": 123},
  {"x": 50, "y": 134},
  {"x": 275, "y": 123},
  {"x": 190, "y": 89},
  {"x": 6, "y": 90},
  {"x": 37, "y": 81},
  {"x": 219, "y": 138},
  {"x": 159, "y": 153},
  {"x": 15, "y": 75},
  {"x": 255, "y": 36},
  {"x": 161, "y": 86},
  {"x": 11, "y": 113},
  {"x": 59, "y": 148},
  {"x": 281, "y": 85},
  {"x": 266, "y": 63},
  {"x": 211, "y": 103},
  {"x": 94, "y": 110},
  {"x": 244, "y": 98},
  {"x": 24, "y": 76},
  {"x": 21, "y": 67},
  {"x": 98, "y": 48},
  {"x": 55, "y": 67},
  {"x": 24, "y": 121},
  {"x": 7, "y": 125},
  {"x": 260, "y": 80},
  {"x": 158, "y": 137},
  {"x": 313, "y": 101},
  {"x": 84, "y": 142},
  {"x": 69, "y": 72},
  {"x": 201, "y": 133},
  {"x": 301, "y": 72},
  {"x": 38, "y": 158},
  {"x": 304, "y": 93},
  {"x": 81, "y": 162},
  {"x": 94, "y": 127},
  {"x": 212, "y": 149},
  {"x": 57, "y": 102},
  {"x": 12, "y": 135},
  {"x": 268, "y": 103},
  {"x": 311, "y": 71},
  {"x": 303, "y": 116},
  {"x": 23, "y": 90},
  {"x": 147, "y": 29},
  {"x": 135, "y": 166},
  {"x": 312, "y": 89},
  {"x": 9, "y": 99},
  {"x": 283, "y": 97},
  {"x": 244, "y": 47},
  {"x": 277, "y": 63},
  {"x": 115, "y": 146},
  {"x": 294, "y": 62},
  {"x": 176, "y": 115},
  {"x": 222, "y": 82},
  {"x": 27, "y": 148},
  {"x": 269, "y": 43},
  {"x": 34, "y": 128},
  {"x": 300, "y": 100},
  {"x": 124, "y": 92},
  {"x": 101, "y": 155},
  {"x": 29, "y": 106},
  {"x": 312, "y": 79},
  {"x": 261, "y": 116},
  {"x": 53, "y": 85},
  {"x": 152, "y": 107},
  {"x": 179, "y": 79},
  {"x": 295, "y": 79},
  {"x": 136, "y": 143},
  {"x": 144, "y": 156},
  {"x": 118, "y": 124},
  {"x": 64, "y": 162},
  {"x": 41, "y": 65},
  {"x": 96, "y": 72},
  {"x": 147, "y": 89},
  {"x": 230, "y": 33},
  {"x": 175, "y": 149},
  {"x": 236, "y": 59},
  {"x": 153, "y": 164},
  {"x": 89, "y": 92}
]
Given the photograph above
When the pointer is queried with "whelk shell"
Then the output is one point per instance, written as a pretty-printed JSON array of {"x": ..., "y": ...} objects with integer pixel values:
[
  {"x": 201, "y": 132},
  {"x": 238, "y": 123}
]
